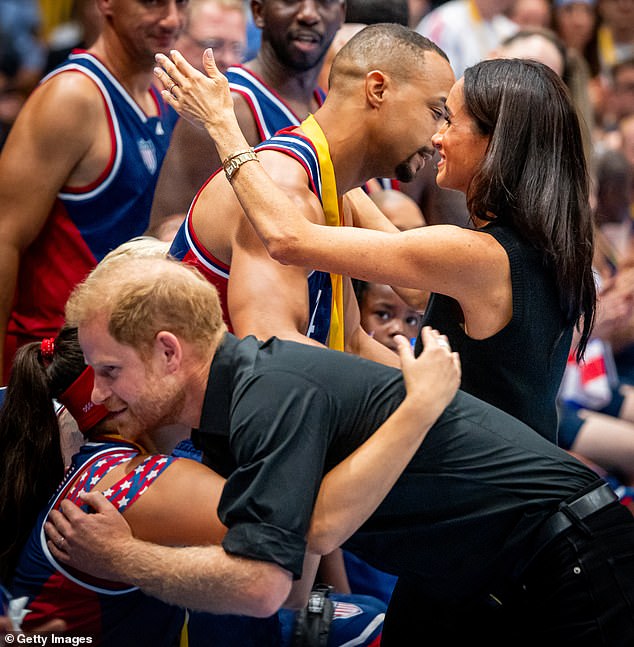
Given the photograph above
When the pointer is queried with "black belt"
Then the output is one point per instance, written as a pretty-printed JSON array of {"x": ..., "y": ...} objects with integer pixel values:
[
  {"x": 574, "y": 511},
  {"x": 570, "y": 513}
]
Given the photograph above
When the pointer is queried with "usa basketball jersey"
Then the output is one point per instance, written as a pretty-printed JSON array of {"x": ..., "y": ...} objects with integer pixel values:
[
  {"x": 87, "y": 222},
  {"x": 111, "y": 613},
  {"x": 186, "y": 246},
  {"x": 269, "y": 110}
]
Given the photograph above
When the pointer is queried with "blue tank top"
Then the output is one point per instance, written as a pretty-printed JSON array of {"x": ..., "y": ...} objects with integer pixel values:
[
  {"x": 85, "y": 223},
  {"x": 116, "y": 207},
  {"x": 270, "y": 111}
]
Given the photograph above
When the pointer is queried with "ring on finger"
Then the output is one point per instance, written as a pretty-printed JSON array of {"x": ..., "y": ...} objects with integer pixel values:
[
  {"x": 60, "y": 543},
  {"x": 443, "y": 343}
]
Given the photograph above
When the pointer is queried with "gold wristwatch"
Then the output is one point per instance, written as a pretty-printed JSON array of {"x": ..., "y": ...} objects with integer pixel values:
[{"x": 232, "y": 163}]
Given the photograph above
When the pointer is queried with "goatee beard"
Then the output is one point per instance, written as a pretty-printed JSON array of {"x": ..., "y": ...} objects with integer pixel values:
[{"x": 404, "y": 172}]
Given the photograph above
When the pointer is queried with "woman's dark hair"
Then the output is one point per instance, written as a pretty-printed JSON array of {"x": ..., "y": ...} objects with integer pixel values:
[
  {"x": 534, "y": 174},
  {"x": 31, "y": 464}
]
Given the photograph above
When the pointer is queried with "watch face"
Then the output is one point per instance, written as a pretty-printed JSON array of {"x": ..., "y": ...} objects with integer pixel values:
[{"x": 232, "y": 167}]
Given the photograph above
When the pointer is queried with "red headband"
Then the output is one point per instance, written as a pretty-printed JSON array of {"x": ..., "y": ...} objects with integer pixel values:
[{"x": 77, "y": 400}]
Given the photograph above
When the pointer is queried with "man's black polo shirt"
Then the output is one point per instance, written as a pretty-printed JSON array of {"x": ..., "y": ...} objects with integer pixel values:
[{"x": 277, "y": 415}]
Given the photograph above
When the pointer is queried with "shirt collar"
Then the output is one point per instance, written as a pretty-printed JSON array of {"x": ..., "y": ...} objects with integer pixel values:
[{"x": 215, "y": 414}]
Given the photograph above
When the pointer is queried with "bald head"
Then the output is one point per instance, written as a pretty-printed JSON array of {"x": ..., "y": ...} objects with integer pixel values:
[
  {"x": 391, "y": 48},
  {"x": 140, "y": 296}
]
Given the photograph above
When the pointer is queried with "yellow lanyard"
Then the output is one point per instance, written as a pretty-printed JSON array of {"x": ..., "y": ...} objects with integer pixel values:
[
  {"x": 184, "y": 640},
  {"x": 332, "y": 205}
]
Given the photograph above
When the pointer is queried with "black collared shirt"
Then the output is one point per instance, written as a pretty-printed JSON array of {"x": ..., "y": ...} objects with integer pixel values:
[
  {"x": 277, "y": 415},
  {"x": 285, "y": 413}
]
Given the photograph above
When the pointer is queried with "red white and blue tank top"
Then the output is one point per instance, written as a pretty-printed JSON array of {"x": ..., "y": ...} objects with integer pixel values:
[
  {"x": 87, "y": 222},
  {"x": 111, "y": 612}
]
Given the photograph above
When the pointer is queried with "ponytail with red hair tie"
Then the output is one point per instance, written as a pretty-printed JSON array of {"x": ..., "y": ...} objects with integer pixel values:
[{"x": 47, "y": 350}]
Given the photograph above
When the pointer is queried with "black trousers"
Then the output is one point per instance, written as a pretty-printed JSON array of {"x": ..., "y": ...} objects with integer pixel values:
[{"x": 578, "y": 591}]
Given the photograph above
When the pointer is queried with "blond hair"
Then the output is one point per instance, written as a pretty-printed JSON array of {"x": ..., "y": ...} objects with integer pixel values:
[
  {"x": 139, "y": 246},
  {"x": 142, "y": 295}
]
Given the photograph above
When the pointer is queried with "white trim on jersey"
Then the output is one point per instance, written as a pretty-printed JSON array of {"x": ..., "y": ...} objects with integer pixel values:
[
  {"x": 198, "y": 254},
  {"x": 255, "y": 104},
  {"x": 78, "y": 197},
  {"x": 310, "y": 153},
  {"x": 47, "y": 553},
  {"x": 245, "y": 74},
  {"x": 106, "y": 72},
  {"x": 363, "y": 636}
]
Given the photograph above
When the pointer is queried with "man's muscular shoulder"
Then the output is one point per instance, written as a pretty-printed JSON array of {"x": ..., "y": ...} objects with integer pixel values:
[
  {"x": 71, "y": 108},
  {"x": 61, "y": 122},
  {"x": 66, "y": 91}
]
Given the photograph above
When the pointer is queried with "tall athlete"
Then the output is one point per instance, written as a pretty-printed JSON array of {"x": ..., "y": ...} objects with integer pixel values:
[
  {"x": 79, "y": 168},
  {"x": 276, "y": 89}
]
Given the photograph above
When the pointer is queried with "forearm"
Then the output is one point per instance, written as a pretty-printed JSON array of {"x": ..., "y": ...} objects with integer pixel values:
[
  {"x": 226, "y": 134},
  {"x": 198, "y": 577},
  {"x": 204, "y": 578},
  {"x": 301, "y": 589},
  {"x": 332, "y": 571},
  {"x": 366, "y": 214}
]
